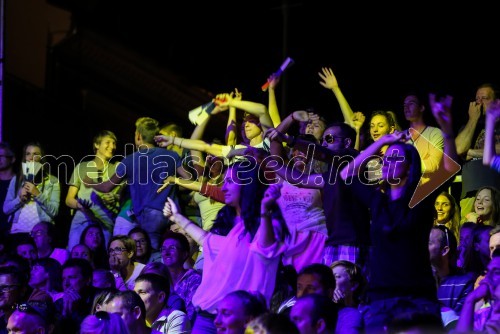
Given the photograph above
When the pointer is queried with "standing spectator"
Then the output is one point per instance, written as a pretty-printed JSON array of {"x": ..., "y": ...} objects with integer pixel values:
[
  {"x": 34, "y": 194},
  {"x": 7, "y": 160},
  {"x": 102, "y": 207},
  {"x": 242, "y": 241},
  {"x": 144, "y": 172}
]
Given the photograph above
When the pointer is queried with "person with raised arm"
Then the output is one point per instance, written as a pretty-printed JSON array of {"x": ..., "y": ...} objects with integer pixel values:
[{"x": 243, "y": 249}]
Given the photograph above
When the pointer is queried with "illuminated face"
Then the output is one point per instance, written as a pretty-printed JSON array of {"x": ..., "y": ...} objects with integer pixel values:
[
  {"x": 231, "y": 189},
  {"x": 152, "y": 300},
  {"x": 379, "y": 127},
  {"x": 300, "y": 314},
  {"x": 443, "y": 208},
  {"x": 40, "y": 235},
  {"x": 493, "y": 273},
  {"x": 252, "y": 130},
  {"x": 231, "y": 318},
  {"x": 33, "y": 153},
  {"x": 483, "y": 205},
  {"x": 193, "y": 246},
  {"x": 171, "y": 253},
  {"x": 307, "y": 284},
  {"x": 106, "y": 148},
  {"x": 118, "y": 253}
]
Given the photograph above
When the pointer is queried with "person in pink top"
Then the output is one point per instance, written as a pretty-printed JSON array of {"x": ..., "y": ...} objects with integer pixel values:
[{"x": 243, "y": 248}]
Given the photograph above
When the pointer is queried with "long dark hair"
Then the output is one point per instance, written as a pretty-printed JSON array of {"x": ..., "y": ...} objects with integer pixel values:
[
  {"x": 253, "y": 186},
  {"x": 100, "y": 254},
  {"x": 145, "y": 258}
]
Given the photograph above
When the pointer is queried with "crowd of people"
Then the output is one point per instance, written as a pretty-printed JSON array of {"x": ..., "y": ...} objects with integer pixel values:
[{"x": 287, "y": 225}]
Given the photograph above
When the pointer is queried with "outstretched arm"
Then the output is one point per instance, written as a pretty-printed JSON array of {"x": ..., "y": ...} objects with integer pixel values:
[
  {"x": 371, "y": 151},
  {"x": 272, "y": 104},
  {"x": 254, "y": 108},
  {"x": 330, "y": 82},
  {"x": 171, "y": 211},
  {"x": 190, "y": 144}
]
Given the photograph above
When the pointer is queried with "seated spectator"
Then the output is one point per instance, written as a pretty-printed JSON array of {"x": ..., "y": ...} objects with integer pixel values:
[
  {"x": 315, "y": 314},
  {"x": 12, "y": 291},
  {"x": 103, "y": 279},
  {"x": 418, "y": 322},
  {"x": 32, "y": 317},
  {"x": 81, "y": 251},
  {"x": 174, "y": 252},
  {"x": 447, "y": 212},
  {"x": 78, "y": 296},
  {"x": 271, "y": 323},
  {"x": 174, "y": 300},
  {"x": 154, "y": 291},
  {"x": 26, "y": 248},
  {"x": 486, "y": 207},
  {"x": 465, "y": 238},
  {"x": 236, "y": 310},
  {"x": 144, "y": 252},
  {"x": 477, "y": 255},
  {"x": 349, "y": 285},
  {"x": 46, "y": 279},
  {"x": 122, "y": 262},
  {"x": 43, "y": 234},
  {"x": 453, "y": 286},
  {"x": 93, "y": 237},
  {"x": 314, "y": 278},
  {"x": 103, "y": 323},
  {"x": 130, "y": 306},
  {"x": 101, "y": 299},
  {"x": 484, "y": 319},
  {"x": 195, "y": 259}
]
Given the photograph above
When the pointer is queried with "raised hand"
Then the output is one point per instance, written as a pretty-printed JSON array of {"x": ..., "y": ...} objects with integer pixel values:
[
  {"x": 358, "y": 119},
  {"x": 271, "y": 195},
  {"x": 167, "y": 182},
  {"x": 441, "y": 109},
  {"x": 329, "y": 79},
  {"x": 395, "y": 137},
  {"x": 275, "y": 135},
  {"x": 170, "y": 210},
  {"x": 164, "y": 141}
]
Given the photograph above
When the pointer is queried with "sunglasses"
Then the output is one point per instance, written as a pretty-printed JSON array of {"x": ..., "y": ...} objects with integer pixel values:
[
  {"x": 35, "y": 307},
  {"x": 330, "y": 139}
]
